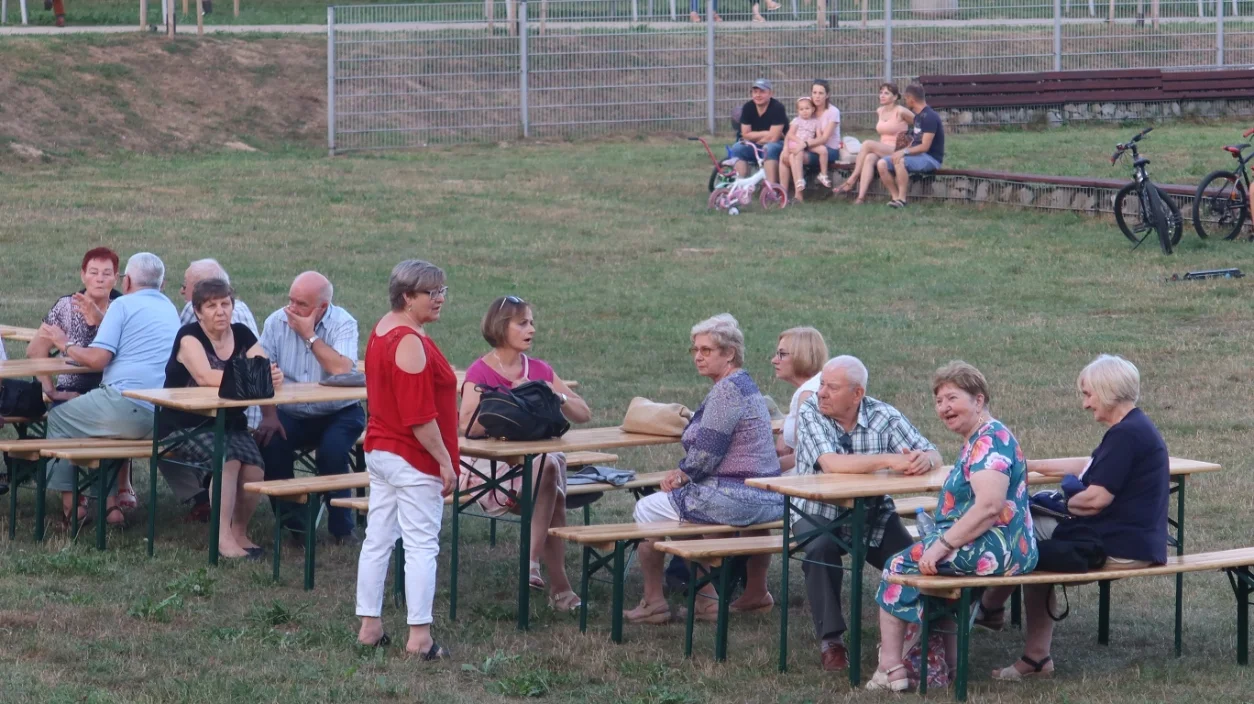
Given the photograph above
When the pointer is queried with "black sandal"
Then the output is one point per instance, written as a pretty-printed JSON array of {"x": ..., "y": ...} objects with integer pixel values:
[
  {"x": 437, "y": 652},
  {"x": 989, "y": 619},
  {"x": 1011, "y": 674},
  {"x": 121, "y": 524},
  {"x": 384, "y": 641}
]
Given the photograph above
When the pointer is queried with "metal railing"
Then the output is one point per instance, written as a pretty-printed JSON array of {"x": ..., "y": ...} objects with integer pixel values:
[{"x": 412, "y": 75}]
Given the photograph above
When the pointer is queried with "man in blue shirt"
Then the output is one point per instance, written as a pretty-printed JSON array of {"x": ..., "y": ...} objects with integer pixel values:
[
  {"x": 924, "y": 155},
  {"x": 131, "y": 348},
  {"x": 311, "y": 339}
]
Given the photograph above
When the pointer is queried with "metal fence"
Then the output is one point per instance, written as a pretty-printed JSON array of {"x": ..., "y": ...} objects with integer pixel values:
[{"x": 412, "y": 75}]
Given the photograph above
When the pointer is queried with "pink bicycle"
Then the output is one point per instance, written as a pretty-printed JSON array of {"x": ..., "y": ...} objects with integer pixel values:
[{"x": 729, "y": 192}]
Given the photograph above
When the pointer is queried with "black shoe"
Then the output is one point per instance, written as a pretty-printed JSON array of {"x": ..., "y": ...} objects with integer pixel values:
[
  {"x": 255, "y": 553},
  {"x": 4, "y": 485}
]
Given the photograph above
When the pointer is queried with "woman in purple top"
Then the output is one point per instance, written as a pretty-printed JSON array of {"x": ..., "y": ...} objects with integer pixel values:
[
  {"x": 728, "y": 440},
  {"x": 509, "y": 327}
]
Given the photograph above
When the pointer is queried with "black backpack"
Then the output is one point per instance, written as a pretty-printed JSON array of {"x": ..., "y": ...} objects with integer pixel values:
[
  {"x": 529, "y": 411},
  {"x": 22, "y": 399}
]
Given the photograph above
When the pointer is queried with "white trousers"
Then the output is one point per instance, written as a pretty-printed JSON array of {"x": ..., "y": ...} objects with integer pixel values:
[
  {"x": 654, "y": 508},
  {"x": 405, "y": 504}
]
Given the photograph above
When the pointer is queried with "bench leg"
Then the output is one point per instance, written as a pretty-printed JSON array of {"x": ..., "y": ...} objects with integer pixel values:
[
  {"x": 455, "y": 558},
  {"x": 278, "y": 540},
  {"x": 215, "y": 489},
  {"x": 1242, "y": 581},
  {"x": 783, "y": 588},
  {"x": 587, "y": 514},
  {"x": 102, "y": 498},
  {"x": 925, "y": 631},
  {"x": 491, "y": 532},
  {"x": 525, "y": 505},
  {"x": 616, "y": 602},
  {"x": 398, "y": 584},
  {"x": 311, "y": 538},
  {"x": 1103, "y": 613},
  {"x": 583, "y": 589},
  {"x": 41, "y": 498},
  {"x": 724, "y": 604},
  {"x": 858, "y": 558},
  {"x": 152, "y": 486},
  {"x": 964, "y": 645},
  {"x": 1180, "y": 577},
  {"x": 74, "y": 494},
  {"x": 1016, "y": 607},
  {"x": 691, "y": 618}
]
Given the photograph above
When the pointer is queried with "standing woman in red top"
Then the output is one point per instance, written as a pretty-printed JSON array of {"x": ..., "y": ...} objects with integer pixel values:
[{"x": 411, "y": 453}]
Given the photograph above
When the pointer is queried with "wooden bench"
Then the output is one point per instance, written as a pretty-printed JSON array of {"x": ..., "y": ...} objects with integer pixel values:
[
  {"x": 947, "y": 597},
  {"x": 309, "y": 491},
  {"x": 25, "y": 461}
]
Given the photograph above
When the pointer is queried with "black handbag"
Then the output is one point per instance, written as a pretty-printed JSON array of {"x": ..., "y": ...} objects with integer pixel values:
[
  {"x": 246, "y": 379},
  {"x": 529, "y": 411},
  {"x": 22, "y": 399}
]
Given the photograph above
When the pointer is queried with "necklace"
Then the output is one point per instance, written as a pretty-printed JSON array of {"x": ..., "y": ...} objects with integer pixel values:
[{"x": 500, "y": 366}]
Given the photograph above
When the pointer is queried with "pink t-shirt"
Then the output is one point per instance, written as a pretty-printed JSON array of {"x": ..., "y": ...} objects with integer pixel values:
[
  {"x": 481, "y": 374},
  {"x": 831, "y": 114}
]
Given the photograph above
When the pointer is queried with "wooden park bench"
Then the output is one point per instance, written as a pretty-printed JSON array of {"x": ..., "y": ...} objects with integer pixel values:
[
  {"x": 951, "y": 597},
  {"x": 310, "y": 490}
]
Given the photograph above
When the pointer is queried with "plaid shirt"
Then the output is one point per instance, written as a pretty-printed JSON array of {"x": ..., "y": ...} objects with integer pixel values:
[{"x": 880, "y": 429}]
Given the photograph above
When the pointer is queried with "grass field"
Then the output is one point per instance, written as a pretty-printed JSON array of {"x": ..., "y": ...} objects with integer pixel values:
[{"x": 611, "y": 242}]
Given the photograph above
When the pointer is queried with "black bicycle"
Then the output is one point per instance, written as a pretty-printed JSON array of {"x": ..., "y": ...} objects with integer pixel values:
[
  {"x": 1222, "y": 202},
  {"x": 1151, "y": 211}
]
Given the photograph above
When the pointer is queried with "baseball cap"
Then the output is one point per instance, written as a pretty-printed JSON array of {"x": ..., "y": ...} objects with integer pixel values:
[{"x": 762, "y": 83}]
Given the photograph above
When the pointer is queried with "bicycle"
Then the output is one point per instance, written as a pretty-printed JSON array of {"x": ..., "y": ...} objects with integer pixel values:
[
  {"x": 1225, "y": 196},
  {"x": 1157, "y": 212},
  {"x": 728, "y": 192}
]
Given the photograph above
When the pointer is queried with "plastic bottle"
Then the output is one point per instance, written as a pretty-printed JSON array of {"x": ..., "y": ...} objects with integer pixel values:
[{"x": 925, "y": 522}]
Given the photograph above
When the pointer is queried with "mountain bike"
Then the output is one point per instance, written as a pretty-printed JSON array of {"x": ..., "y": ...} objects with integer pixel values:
[
  {"x": 1222, "y": 202},
  {"x": 1151, "y": 210}
]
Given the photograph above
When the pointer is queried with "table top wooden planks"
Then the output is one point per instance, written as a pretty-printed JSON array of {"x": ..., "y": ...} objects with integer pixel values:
[
  {"x": 205, "y": 400},
  {"x": 834, "y": 488},
  {"x": 576, "y": 440},
  {"x": 47, "y": 366},
  {"x": 12, "y": 332}
]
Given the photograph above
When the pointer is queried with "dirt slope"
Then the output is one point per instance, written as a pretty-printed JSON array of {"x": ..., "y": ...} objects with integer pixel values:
[{"x": 97, "y": 95}]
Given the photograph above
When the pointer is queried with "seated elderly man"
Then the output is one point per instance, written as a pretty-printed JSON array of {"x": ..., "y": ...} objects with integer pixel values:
[
  {"x": 131, "y": 347},
  {"x": 842, "y": 430},
  {"x": 190, "y": 485},
  {"x": 311, "y": 339}
]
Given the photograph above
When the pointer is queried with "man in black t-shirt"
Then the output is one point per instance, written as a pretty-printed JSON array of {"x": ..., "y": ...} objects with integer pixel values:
[
  {"x": 923, "y": 156},
  {"x": 764, "y": 122}
]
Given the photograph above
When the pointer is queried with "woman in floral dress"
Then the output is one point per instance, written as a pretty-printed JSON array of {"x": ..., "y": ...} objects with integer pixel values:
[{"x": 983, "y": 523}]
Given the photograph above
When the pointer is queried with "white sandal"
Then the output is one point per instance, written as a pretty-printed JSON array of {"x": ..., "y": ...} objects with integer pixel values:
[{"x": 880, "y": 682}]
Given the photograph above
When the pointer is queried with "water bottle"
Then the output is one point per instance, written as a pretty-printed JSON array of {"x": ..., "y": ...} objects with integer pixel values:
[{"x": 925, "y": 522}]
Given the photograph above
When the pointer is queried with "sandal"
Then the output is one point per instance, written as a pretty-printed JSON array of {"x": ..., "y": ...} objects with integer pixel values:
[
  {"x": 708, "y": 615},
  {"x": 825, "y": 181},
  {"x": 880, "y": 682},
  {"x": 989, "y": 619},
  {"x": 655, "y": 615},
  {"x": 1040, "y": 668},
  {"x": 534, "y": 579},
  {"x": 384, "y": 641},
  {"x": 846, "y": 187},
  {"x": 762, "y": 607},
  {"x": 128, "y": 500},
  {"x": 896, "y": 203},
  {"x": 109, "y": 515},
  {"x": 800, "y": 184},
  {"x": 436, "y": 652},
  {"x": 565, "y": 602}
]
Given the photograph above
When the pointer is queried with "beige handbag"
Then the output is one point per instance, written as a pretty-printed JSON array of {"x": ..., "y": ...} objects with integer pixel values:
[{"x": 650, "y": 418}]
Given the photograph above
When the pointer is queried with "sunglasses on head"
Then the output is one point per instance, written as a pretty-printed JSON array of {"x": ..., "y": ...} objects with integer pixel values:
[{"x": 515, "y": 300}]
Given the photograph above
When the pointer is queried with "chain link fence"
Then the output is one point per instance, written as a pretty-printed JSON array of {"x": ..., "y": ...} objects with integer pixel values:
[{"x": 412, "y": 75}]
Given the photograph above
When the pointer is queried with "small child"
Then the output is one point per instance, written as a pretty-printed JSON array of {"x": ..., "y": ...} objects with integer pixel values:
[{"x": 804, "y": 128}]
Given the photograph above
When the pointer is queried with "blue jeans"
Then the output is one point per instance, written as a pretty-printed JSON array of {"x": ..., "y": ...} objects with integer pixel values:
[
  {"x": 915, "y": 164},
  {"x": 812, "y": 159},
  {"x": 694, "y": 7},
  {"x": 333, "y": 437},
  {"x": 771, "y": 152}
]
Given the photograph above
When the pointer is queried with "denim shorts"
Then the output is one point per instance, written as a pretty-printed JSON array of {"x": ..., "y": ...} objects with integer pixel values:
[
  {"x": 833, "y": 156},
  {"x": 744, "y": 151},
  {"x": 915, "y": 164}
]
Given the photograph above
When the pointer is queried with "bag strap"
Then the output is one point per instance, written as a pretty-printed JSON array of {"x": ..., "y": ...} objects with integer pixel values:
[
  {"x": 526, "y": 370},
  {"x": 475, "y": 416}
]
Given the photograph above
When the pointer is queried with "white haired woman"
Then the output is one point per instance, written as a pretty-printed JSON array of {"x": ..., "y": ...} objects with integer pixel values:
[
  {"x": 1125, "y": 499},
  {"x": 727, "y": 441}
]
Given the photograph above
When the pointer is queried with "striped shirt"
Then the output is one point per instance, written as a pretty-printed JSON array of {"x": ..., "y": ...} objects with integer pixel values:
[
  {"x": 879, "y": 430},
  {"x": 243, "y": 316},
  {"x": 285, "y": 348}
]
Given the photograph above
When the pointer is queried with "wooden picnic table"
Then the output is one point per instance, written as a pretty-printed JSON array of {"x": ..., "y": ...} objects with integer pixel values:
[
  {"x": 519, "y": 456},
  {"x": 11, "y": 332},
  {"x": 856, "y": 491},
  {"x": 46, "y": 366}
]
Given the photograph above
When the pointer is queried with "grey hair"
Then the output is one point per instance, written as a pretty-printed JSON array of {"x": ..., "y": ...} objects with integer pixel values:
[
  {"x": 146, "y": 270},
  {"x": 725, "y": 332},
  {"x": 854, "y": 369},
  {"x": 211, "y": 268},
  {"x": 410, "y": 277},
  {"x": 1112, "y": 380}
]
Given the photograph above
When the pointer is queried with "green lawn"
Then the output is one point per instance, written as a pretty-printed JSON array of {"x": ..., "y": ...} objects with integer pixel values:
[{"x": 611, "y": 242}]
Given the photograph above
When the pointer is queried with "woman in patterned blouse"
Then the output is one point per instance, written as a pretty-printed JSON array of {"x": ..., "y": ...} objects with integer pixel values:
[{"x": 727, "y": 441}]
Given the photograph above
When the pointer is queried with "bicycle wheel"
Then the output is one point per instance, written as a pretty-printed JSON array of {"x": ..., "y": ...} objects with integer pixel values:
[
  {"x": 773, "y": 197},
  {"x": 1128, "y": 214},
  {"x": 718, "y": 198},
  {"x": 1159, "y": 215},
  {"x": 1220, "y": 205},
  {"x": 1175, "y": 221}
]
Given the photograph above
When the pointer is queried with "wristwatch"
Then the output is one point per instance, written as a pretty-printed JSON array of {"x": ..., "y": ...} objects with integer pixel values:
[
  {"x": 563, "y": 398},
  {"x": 312, "y": 339}
]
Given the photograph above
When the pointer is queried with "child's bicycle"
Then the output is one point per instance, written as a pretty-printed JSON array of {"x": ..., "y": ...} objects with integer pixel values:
[
  {"x": 1151, "y": 212},
  {"x": 728, "y": 192},
  {"x": 1223, "y": 197}
]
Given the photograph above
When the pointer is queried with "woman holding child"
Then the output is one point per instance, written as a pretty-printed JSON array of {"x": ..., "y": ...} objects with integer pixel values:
[
  {"x": 820, "y": 145},
  {"x": 894, "y": 125}
]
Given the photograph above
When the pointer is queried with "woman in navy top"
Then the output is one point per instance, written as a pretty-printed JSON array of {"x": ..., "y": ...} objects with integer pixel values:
[{"x": 1124, "y": 500}]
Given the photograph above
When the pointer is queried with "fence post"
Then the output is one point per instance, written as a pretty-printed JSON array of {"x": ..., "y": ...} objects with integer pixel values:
[
  {"x": 1219, "y": 33},
  {"x": 330, "y": 80},
  {"x": 522, "y": 68},
  {"x": 1057, "y": 35},
  {"x": 888, "y": 40},
  {"x": 709, "y": 65}
]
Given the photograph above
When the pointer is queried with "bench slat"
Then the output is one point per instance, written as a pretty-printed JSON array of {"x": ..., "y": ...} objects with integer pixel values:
[
  {"x": 907, "y": 505},
  {"x": 30, "y": 449},
  {"x": 611, "y": 532}
]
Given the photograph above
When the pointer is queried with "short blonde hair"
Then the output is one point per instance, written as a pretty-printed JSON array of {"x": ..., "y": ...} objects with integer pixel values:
[
  {"x": 501, "y": 313},
  {"x": 1112, "y": 380},
  {"x": 725, "y": 332},
  {"x": 964, "y": 376},
  {"x": 807, "y": 347}
]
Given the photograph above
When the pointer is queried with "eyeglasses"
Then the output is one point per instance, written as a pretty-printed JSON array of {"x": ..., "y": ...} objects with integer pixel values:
[
  {"x": 702, "y": 351},
  {"x": 440, "y": 292},
  {"x": 846, "y": 443},
  {"x": 781, "y": 354},
  {"x": 515, "y": 300}
]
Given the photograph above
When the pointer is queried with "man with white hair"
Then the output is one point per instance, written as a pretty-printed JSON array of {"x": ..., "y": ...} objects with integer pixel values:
[
  {"x": 312, "y": 339},
  {"x": 842, "y": 430},
  {"x": 186, "y": 483},
  {"x": 131, "y": 348}
]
